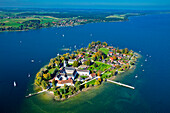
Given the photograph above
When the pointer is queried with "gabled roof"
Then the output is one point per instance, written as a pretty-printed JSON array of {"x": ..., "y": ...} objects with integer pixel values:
[
  {"x": 65, "y": 81},
  {"x": 93, "y": 74},
  {"x": 69, "y": 68}
]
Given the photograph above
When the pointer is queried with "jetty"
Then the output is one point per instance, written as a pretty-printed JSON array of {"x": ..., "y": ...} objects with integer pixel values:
[
  {"x": 32, "y": 94},
  {"x": 121, "y": 84}
]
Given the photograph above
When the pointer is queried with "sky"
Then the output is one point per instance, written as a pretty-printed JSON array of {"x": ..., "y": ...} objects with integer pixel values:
[{"x": 111, "y": 4}]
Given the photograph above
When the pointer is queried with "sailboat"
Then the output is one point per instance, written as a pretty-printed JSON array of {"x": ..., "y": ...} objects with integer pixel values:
[
  {"x": 15, "y": 84},
  {"x": 75, "y": 46},
  {"x": 90, "y": 34},
  {"x": 29, "y": 75},
  {"x": 63, "y": 35}
]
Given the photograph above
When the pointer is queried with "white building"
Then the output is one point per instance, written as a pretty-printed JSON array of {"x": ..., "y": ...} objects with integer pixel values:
[
  {"x": 71, "y": 61},
  {"x": 83, "y": 72},
  {"x": 69, "y": 70}
]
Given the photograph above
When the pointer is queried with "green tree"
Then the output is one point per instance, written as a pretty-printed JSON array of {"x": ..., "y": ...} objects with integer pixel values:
[
  {"x": 97, "y": 82},
  {"x": 53, "y": 83},
  {"x": 44, "y": 84},
  {"x": 88, "y": 62},
  {"x": 126, "y": 50},
  {"x": 65, "y": 88},
  {"x": 75, "y": 63},
  {"x": 104, "y": 43},
  {"x": 64, "y": 96},
  {"x": 86, "y": 85},
  {"x": 89, "y": 46},
  {"x": 77, "y": 85}
]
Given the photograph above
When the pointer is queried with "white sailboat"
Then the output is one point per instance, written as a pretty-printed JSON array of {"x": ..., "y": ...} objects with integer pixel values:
[
  {"x": 136, "y": 76},
  {"x": 15, "y": 84},
  {"x": 91, "y": 34},
  {"x": 29, "y": 75},
  {"x": 145, "y": 60},
  {"x": 75, "y": 46},
  {"x": 32, "y": 60},
  {"x": 63, "y": 35}
]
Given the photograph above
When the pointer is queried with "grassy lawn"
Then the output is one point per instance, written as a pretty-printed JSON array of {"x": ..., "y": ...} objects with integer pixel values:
[
  {"x": 105, "y": 75},
  {"x": 51, "y": 71},
  {"x": 116, "y": 16},
  {"x": 91, "y": 82},
  {"x": 101, "y": 66},
  {"x": 84, "y": 77},
  {"x": 104, "y": 50}
]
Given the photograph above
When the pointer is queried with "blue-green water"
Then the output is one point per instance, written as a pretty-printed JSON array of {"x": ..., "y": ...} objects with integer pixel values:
[{"x": 149, "y": 34}]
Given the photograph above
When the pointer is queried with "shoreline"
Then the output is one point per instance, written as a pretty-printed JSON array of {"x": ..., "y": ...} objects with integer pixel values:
[{"x": 60, "y": 26}]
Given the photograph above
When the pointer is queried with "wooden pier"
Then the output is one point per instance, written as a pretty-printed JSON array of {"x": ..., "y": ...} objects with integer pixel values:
[
  {"x": 32, "y": 94},
  {"x": 121, "y": 84}
]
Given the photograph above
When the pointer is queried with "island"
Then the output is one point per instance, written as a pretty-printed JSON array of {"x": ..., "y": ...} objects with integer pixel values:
[{"x": 68, "y": 74}]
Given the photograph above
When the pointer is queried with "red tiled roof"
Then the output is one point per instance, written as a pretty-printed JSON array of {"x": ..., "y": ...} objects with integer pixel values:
[
  {"x": 111, "y": 58},
  {"x": 65, "y": 81},
  {"x": 93, "y": 74}
]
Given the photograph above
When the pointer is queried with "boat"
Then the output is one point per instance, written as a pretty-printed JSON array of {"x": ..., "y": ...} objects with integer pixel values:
[
  {"x": 139, "y": 51},
  {"x": 32, "y": 60},
  {"x": 141, "y": 65},
  {"x": 75, "y": 46},
  {"x": 58, "y": 54},
  {"x": 150, "y": 56},
  {"x": 143, "y": 70},
  {"x": 136, "y": 76},
  {"x": 15, "y": 84},
  {"x": 91, "y": 35},
  {"x": 63, "y": 35},
  {"x": 145, "y": 60},
  {"x": 29, "y": 75}
]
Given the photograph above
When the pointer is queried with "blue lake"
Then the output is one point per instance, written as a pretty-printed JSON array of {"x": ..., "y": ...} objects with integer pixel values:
[{"x": 149, "y": 34}]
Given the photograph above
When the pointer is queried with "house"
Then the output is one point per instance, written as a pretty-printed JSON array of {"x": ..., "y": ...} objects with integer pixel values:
[
  {"x": 110, "y": 53},
  {"x": 58, "y": 77},
  {"x": 110, "y": 47},
  {"x": 72, "y": 76},
  {"x": 93, "y": 75},
  {"x": 83, "y": 72},
  {"x": 71, "y": 61},
  {"x": 69, "y": 70},
  {"x": 68, "y": 82},
  {"x": 117, "y": 54},
  {"x": 124, "y": 55},
  {"x": 111, "y": 58},
  {"x": 83, "y": 60},
  {"x": 119, "y": 57}
]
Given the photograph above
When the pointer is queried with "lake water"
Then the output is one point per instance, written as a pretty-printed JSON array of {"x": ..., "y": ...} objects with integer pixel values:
[{"x": 149, "y": 34}]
